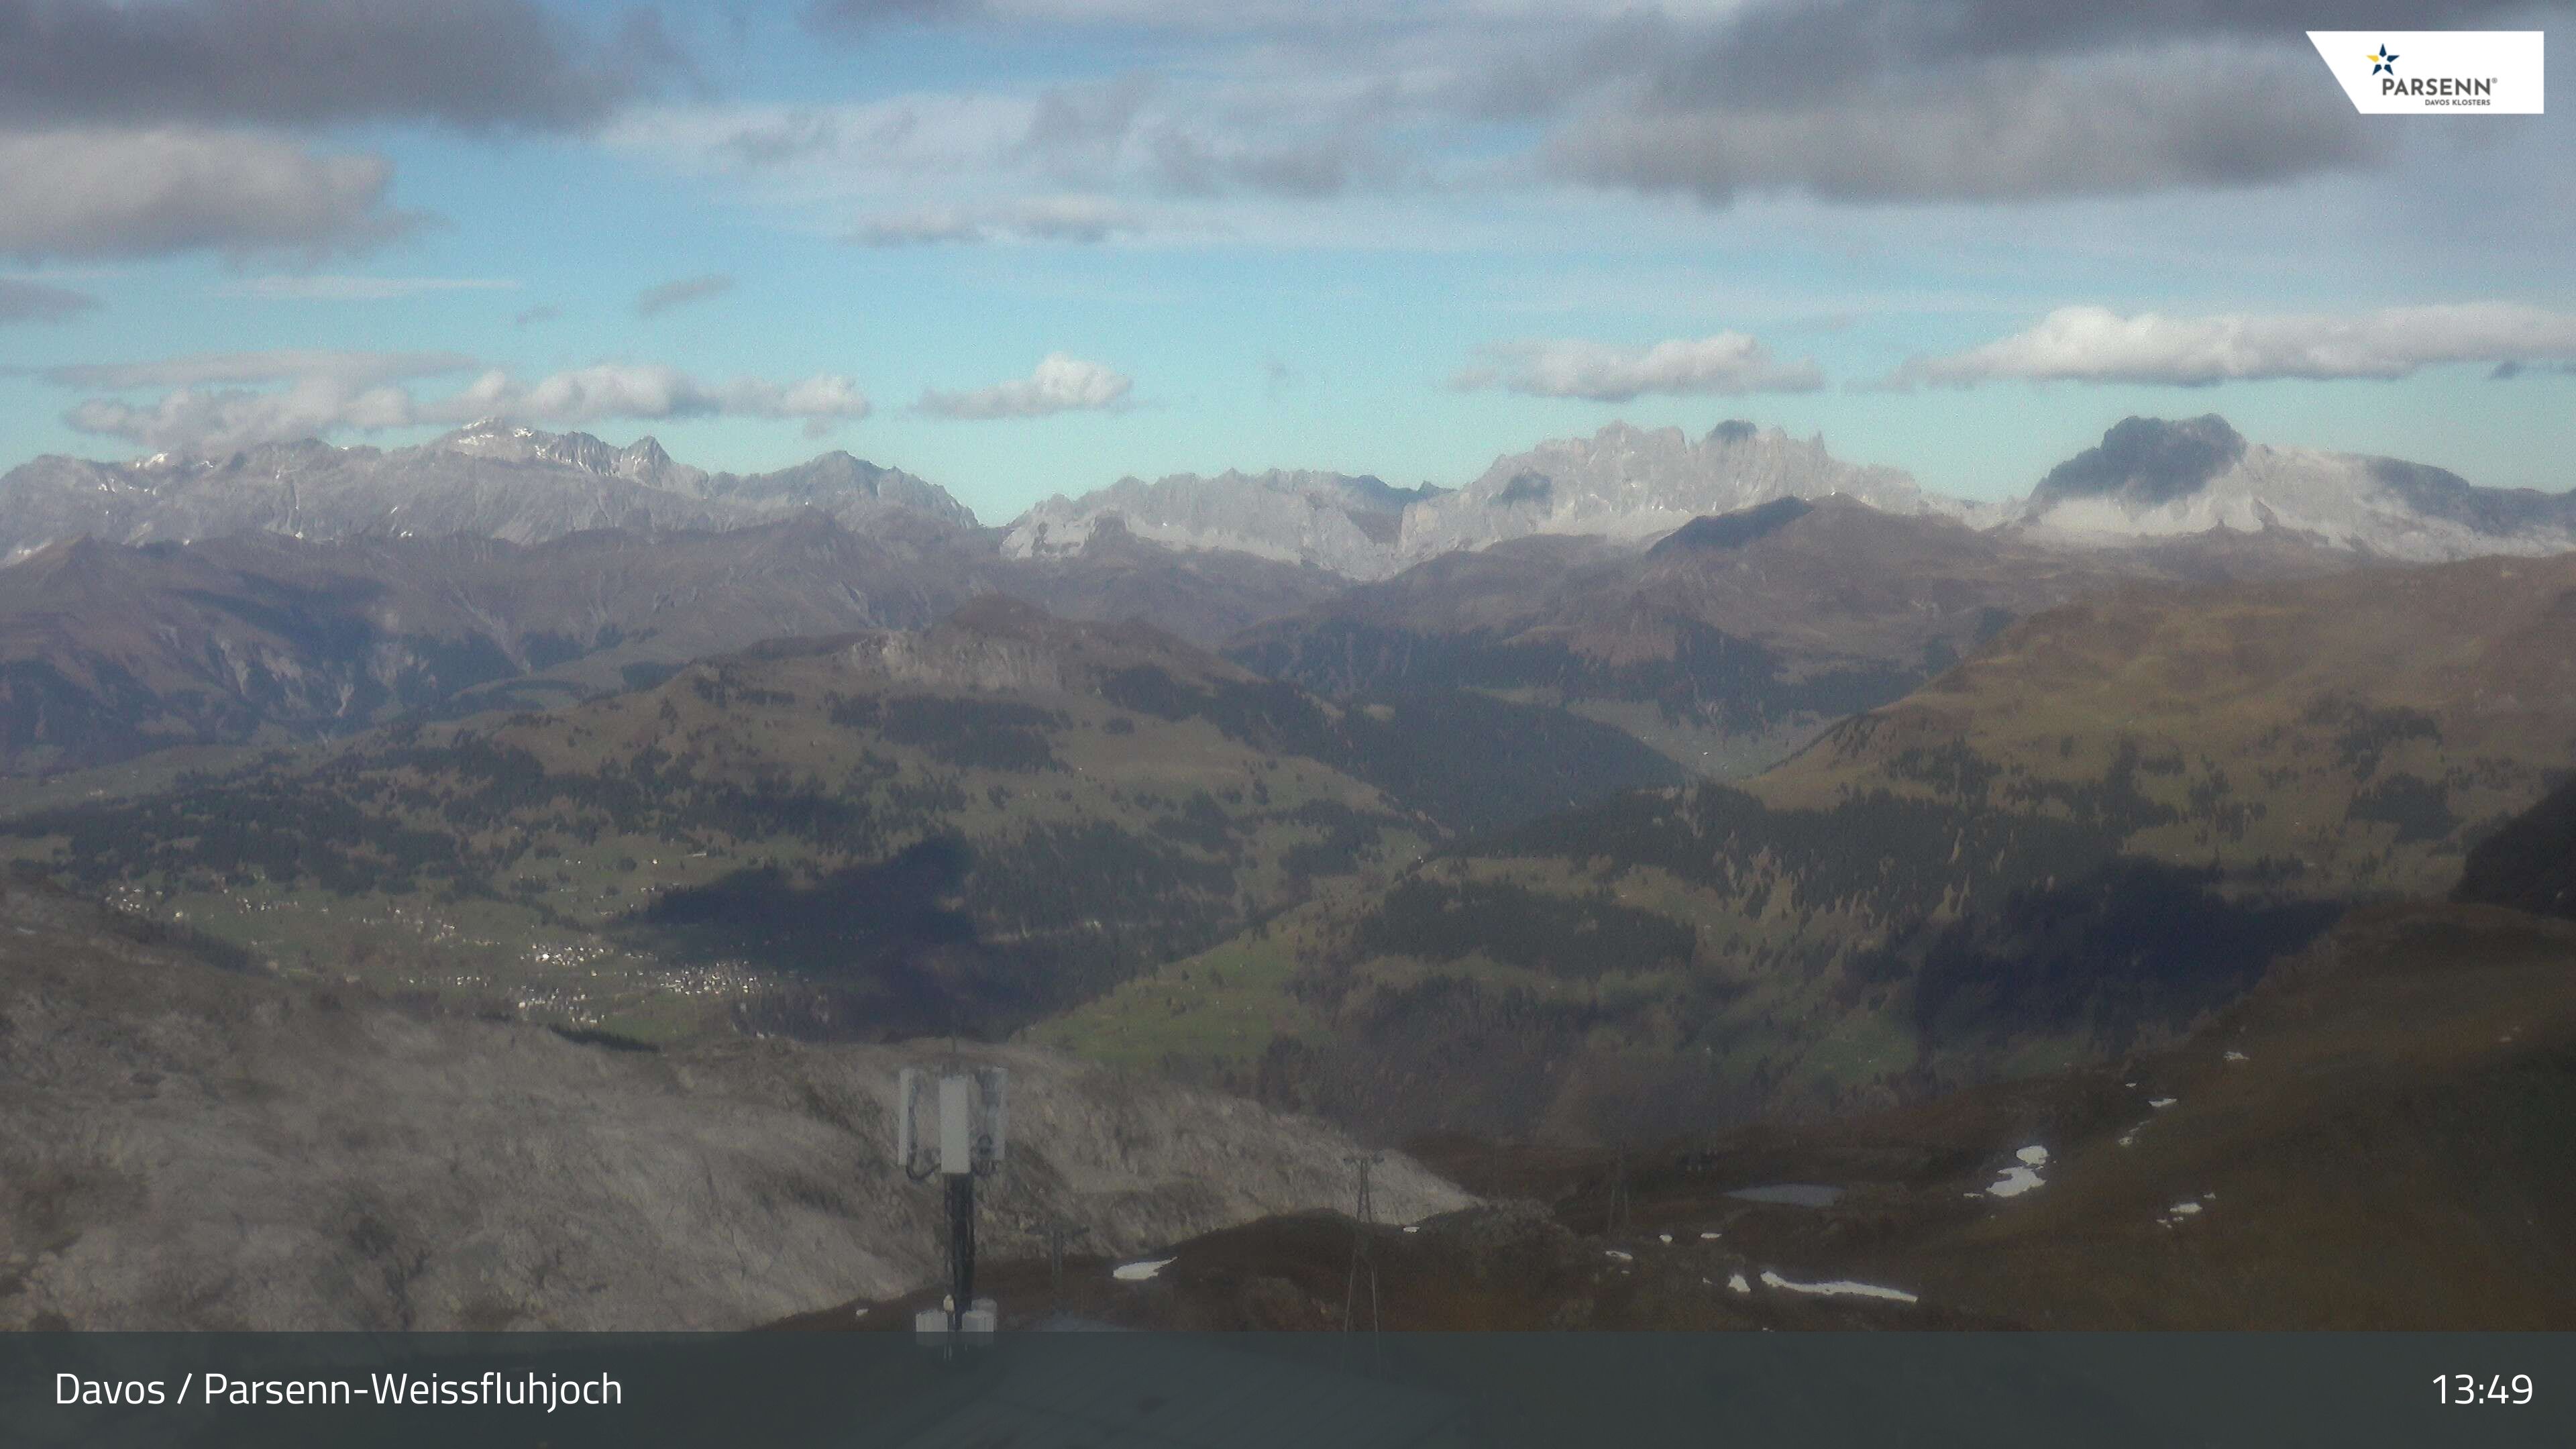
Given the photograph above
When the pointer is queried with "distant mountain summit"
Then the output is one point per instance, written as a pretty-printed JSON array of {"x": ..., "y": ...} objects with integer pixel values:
[
  {"x": 1626, "y": 484},
  {"x": 1343, "y": 523},
  {"x": 641, "y": 461},
  {"x": 1634, "y": 484},
  {"x": 488, "y": 480},
  {"x": 835, "y": 483},
  {"x": 2158, "y": 478}
]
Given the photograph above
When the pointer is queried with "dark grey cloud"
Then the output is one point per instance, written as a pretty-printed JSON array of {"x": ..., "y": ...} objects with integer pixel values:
[
  {"x": 24, "y": 301},
  {"x": 85, "y": 193},
  {"x": 2003, "y": 131},
  {"x": 1786, "y": 51},
  {"x": 1954, "y": 100},
  {"x": 478, "y": 64},
  {"x": 655, "y": 300}
]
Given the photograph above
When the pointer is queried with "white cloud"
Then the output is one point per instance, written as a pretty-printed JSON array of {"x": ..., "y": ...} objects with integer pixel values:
[
  {"x": 356, "y": 289},
  {"x": 1047, "y": 218},
  {"x": 2096, "y": 344},
  {"x": 198, "y": 420},
  {"x": 1059, "y": 384},
  {"x": 87, "y": 193},
  {"x": 203, "y": 415},
  {"x": 1727, "y": 363}
]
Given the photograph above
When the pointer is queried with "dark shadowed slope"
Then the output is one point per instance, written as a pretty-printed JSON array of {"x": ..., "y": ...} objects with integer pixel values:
[
  {"x": 2102, "y": 826},
  {"x": 867, "y": 835}
]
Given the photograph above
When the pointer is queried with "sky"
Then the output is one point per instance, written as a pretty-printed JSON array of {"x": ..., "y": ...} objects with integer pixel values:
[{"x": 1023, "y": 247}]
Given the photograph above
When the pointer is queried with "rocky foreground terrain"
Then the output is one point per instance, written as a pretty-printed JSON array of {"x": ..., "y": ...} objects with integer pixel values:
[{"x": 184, "y": 1146}]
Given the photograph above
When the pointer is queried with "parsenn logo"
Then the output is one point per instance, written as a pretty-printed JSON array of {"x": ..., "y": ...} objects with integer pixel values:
[{"x": 2447, "y": 72}]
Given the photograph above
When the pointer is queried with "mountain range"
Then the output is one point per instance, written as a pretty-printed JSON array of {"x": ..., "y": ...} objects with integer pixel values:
[
  {"x": 487, "y": 480},
  {"x": 2149, "y": 478},
  {"x": 298, "y": 591}
]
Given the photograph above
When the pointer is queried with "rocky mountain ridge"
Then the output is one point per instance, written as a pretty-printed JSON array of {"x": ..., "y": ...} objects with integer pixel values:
[
  {"x": 488, "y": 480},
  {"x": 2149, "y": 479}
]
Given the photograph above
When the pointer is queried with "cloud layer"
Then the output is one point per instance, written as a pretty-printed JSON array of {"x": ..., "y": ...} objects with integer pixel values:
[
  {"x": 1059, "y": 384},
  {"x": 292, "y": 288},
  {"x": 211, "y": 411},
  {"x": 2096, "y": 344},
  {"x": 145, "y": 129},
  {"x": 477, "y": 64},
  {"x": 1046, "y": 218},
  {"x": 92, "y": 193},
  {"x": 1725, "y": 364}
]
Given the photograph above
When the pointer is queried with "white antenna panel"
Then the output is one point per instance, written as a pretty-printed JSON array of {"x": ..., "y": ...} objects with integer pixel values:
[
  {"x": 951, "y": 1123},
  {"x": 956, "y": 1125}
]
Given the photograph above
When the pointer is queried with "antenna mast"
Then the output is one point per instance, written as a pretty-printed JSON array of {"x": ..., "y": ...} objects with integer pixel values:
[{"x": 965, "y": 1111}]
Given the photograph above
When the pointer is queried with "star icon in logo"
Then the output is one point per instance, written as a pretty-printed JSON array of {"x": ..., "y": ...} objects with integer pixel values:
[{"x": 2382, "y": 61}]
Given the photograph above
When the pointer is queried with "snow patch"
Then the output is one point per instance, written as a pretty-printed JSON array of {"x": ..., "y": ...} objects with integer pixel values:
[
  {"x": 1736, "y": 1282},
  {"x": 2236, "y": 1056},
  {"x": 1840, "y": 1288},
  {"x": 1138, "y": 1272},
  {"x": 2033, "y": 1156},
  {"x": 2161, "y": 1103},
  {"x": 2014, "y": 1182}
]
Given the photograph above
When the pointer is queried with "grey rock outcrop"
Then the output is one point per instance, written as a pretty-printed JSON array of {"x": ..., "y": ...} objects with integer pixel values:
[
  {"x": 1345, "y": 524},
  {"x": 183, "y": 1147},
  {"x": 1635, "y": 484}
]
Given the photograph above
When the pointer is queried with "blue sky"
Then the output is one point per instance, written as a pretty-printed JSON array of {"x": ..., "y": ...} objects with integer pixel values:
[{"x": 1310, "y": 235}]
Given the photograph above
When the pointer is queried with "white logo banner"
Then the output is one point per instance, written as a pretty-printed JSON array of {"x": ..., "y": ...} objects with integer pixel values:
[{"x": 2435, "y": 72}]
